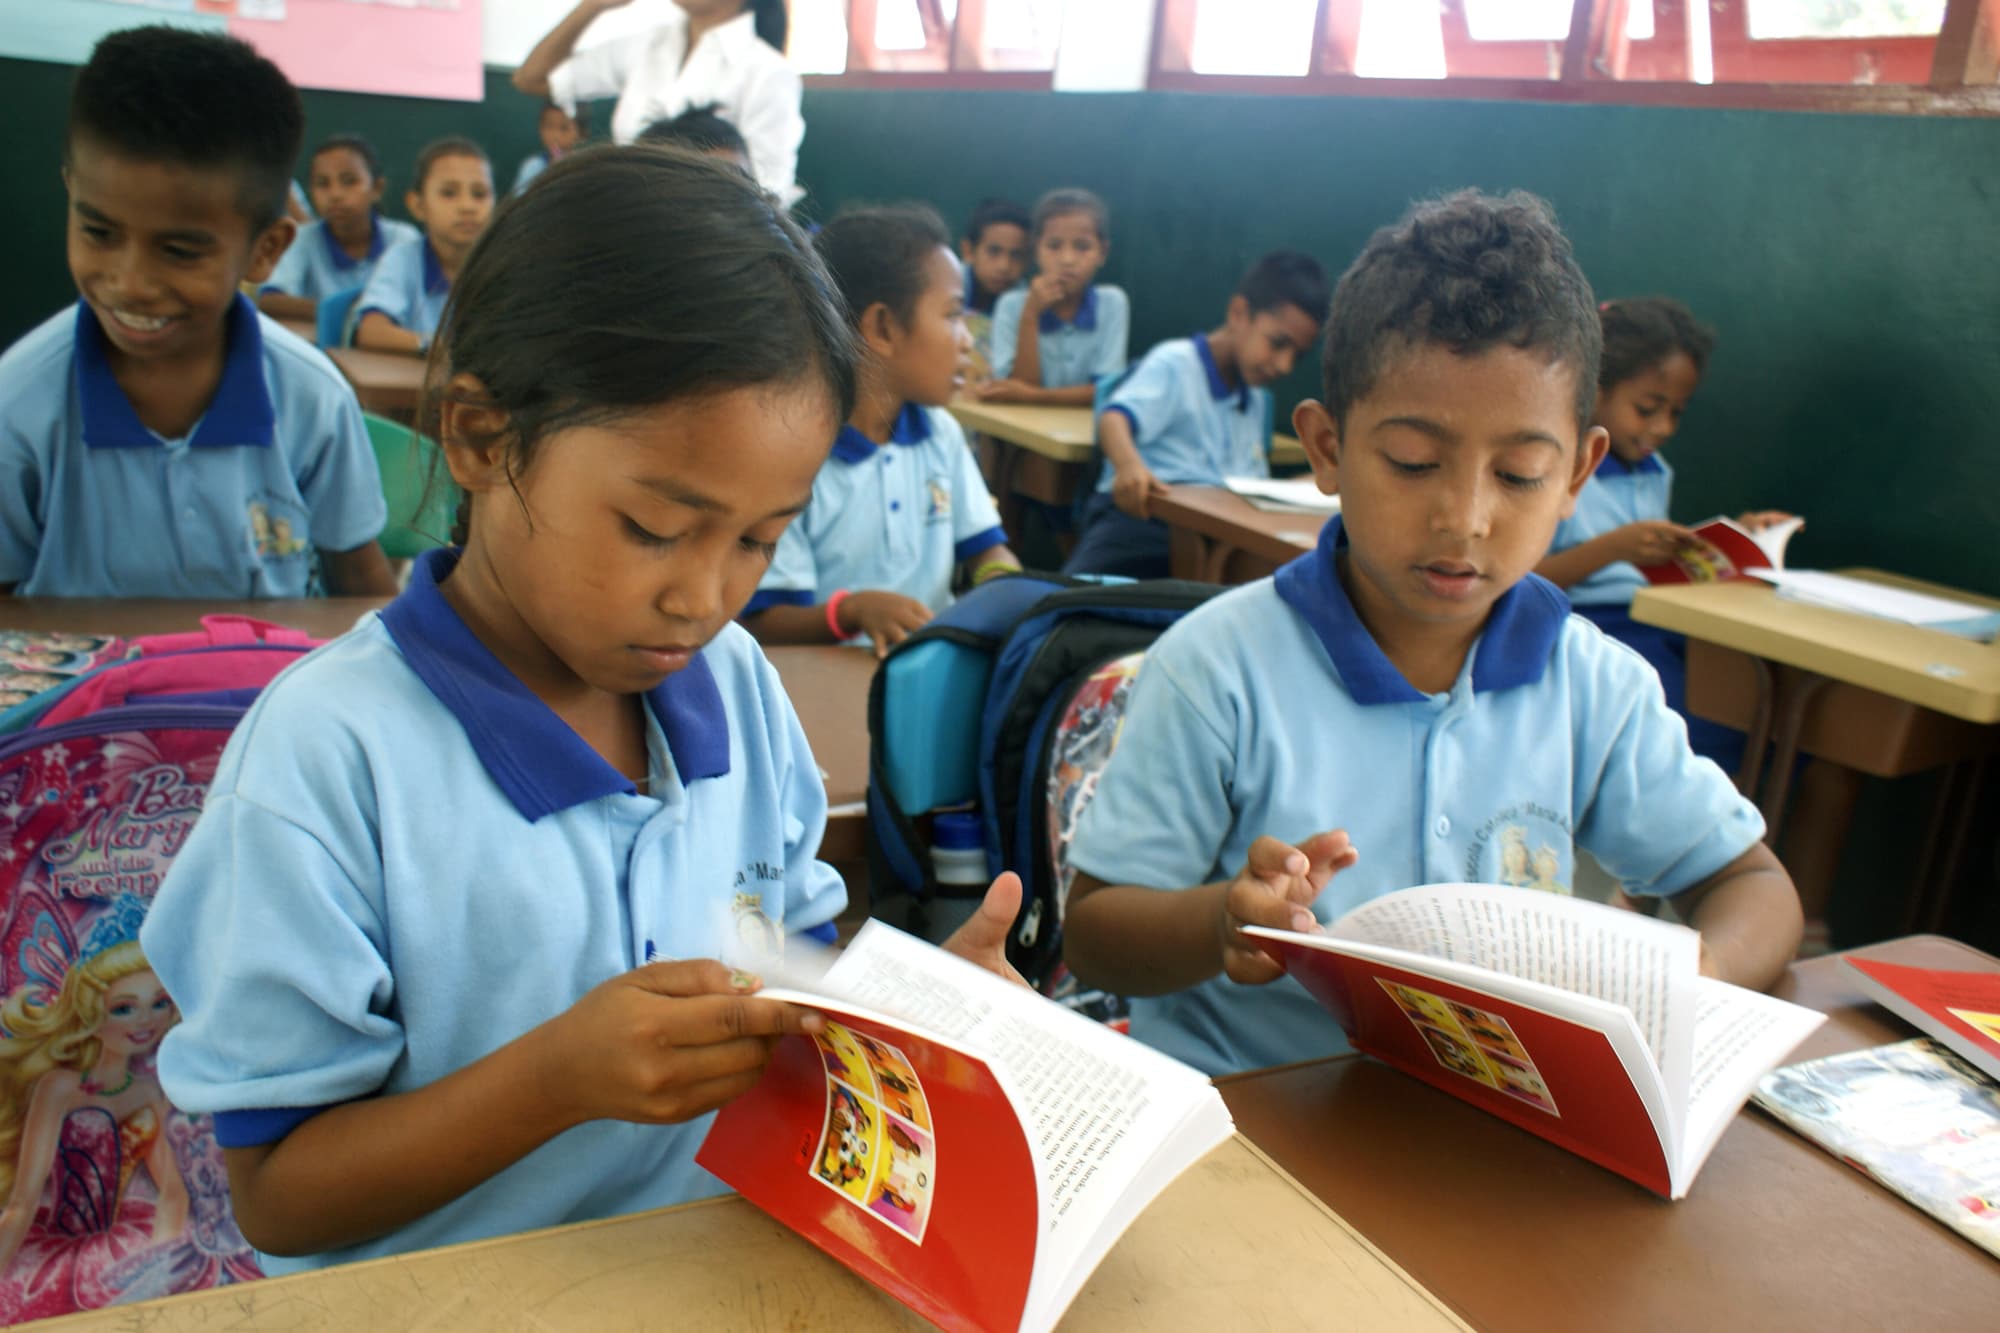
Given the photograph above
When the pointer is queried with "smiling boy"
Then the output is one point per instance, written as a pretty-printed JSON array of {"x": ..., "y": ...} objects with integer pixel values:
[
  {"x": 152, "y": 438},
  {"x": 1406, "y": 702}
]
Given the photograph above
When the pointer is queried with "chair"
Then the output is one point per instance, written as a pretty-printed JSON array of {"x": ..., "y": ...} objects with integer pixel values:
[
  {"x": 331, "y": 322},
  {"x": 420, "y": 509}
]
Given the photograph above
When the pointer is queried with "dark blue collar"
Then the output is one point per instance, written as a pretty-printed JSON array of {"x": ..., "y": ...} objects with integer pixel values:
[
  {"x": 338, "y": 253},
  {"x": 1086, "y": 314},
  {"x": 1513, "y": 649},
  {"x": 434, "y": 278},
  {"x": 1615, "y": 467},
  {"x": 972, "y": 302},
  {"x": 1218, "y": 387},
  {"x": 240, "y": 414},
  {"x": 532, "y": 755},
  {"x": 910, "y": 427}
]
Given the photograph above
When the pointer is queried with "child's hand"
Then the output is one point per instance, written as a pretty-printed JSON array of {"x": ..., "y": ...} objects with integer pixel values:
[
  {"x": 1652, "y": 541},
  {"x": 1003, "y": 391},
  {"x": 887, "y": 618},
  {"x": 1277, "y": 887},
  {"x": 1759, "y": 519},
  {"x": 1134, "y": 488},
  {"x": 1046, "y": 290},
  {"x": 663, "y": 1043},
  {"x": 983, "y": 939}
]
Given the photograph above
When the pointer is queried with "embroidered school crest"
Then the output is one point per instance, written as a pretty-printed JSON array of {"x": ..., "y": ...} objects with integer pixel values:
[
  {"x": 1525, "y": 846},
  {"x": 758, "y": 933},
  {"x": 940, "y": 493},
  {"x": 276, "y": 529}
]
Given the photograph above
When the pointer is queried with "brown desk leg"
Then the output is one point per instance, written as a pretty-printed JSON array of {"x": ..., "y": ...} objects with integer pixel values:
[
  {"x": 1006, "y": 460},
  {"x": 1815, "y": 834},
  {"x": 1752, "y": 769},
  {"x": 1187, "y": 554},
  {"x": 1929, "y": 901},
  {"x": 1795, "y": 695}
]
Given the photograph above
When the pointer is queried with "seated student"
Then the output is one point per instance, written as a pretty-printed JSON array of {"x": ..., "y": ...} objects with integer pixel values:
[
  {"x": 1053, "y": 340},
  {"x": 701, "y": 129},
  {"x": 1193, "y": 412},
  {"x": 161, "y": 438},
  {"x": 1405, "y": 702},
  {"x": 559, "y": 131},
  {"x": 1655, "y": 354},
  {"x": 452, "y": 200},
  {"x": 409, "y": 1039},
  {"x": 339, "y": 252},
  {"x": 994, "y": 250},
  {"x": 900, "y": 510}
]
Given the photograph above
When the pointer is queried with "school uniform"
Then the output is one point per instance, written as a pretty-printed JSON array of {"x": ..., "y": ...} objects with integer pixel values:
[
  {"x": 1074, "y": 351},
  {"x": 316, "y": 266},
  {"x": 1272, "y": 710},
  {"x": 979, "y": 323},
  {"x": 93, "y": 504},
  {"x": 1192, "y": 429},
  {"x": 1617, "y": 494},
  {"x": 899, "y": 517},
  {"x": 531, "y": 167},
  {"x": 406, "y": 860},
  {"x": 409, "y": 286}
]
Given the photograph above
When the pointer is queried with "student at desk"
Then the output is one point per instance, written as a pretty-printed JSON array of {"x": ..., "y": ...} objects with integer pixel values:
[
  {"x": 1408, "y": 703},
  {"x": 161, "y": 438},
  {"x": 443, "y": 937},
  {"x": 1055, "y": 338},
  {"x": 452, "y": 198}
]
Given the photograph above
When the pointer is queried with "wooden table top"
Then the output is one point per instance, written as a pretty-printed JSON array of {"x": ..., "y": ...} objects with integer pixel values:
[
  {"x": 1066, "y": 434},
  {"x": 1224, "y": 516},
  {"x": 1921, "y": 666},
  {"x": 1517, "y": 1234},
  {"x": 1234, "y": 1243},
  {"x": 390, "y": 383}
]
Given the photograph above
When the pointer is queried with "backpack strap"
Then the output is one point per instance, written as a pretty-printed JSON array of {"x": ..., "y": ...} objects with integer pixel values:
[{"x": 225, "y": 632}]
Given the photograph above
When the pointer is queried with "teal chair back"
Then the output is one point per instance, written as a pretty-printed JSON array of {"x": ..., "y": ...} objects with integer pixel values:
[
  {"x": 420, "y": 513},
  {"x": 330, "y": 323}
]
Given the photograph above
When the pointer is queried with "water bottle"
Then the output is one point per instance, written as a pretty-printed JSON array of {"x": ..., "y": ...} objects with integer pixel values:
[{"x": 958, "y": 859}]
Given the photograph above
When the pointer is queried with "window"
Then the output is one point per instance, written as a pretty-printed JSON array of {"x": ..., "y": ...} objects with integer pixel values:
[
  {"x": 953, "y": 42},
  {"x": 1825, "y": 41}
]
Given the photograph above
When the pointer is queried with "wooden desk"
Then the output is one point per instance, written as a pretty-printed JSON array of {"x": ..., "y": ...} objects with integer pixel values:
[
  {"x": 1517, "y": 1234},
  {"x": 1234, "y": 1243},
  {"x": 1220, "y": 537},
  {"x": 389, "y": 384},
  {"x": 828, "y": 684},
  {"x": 1869, "y": 696}
]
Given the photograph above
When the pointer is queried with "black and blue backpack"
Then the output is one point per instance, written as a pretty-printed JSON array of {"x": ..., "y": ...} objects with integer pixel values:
[{"x": 968, "y": 709}]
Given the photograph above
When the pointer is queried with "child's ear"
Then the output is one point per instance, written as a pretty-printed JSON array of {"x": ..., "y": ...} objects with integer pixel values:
[
  {"x": 472, "y": 433},
  {"x": 1588, "y": 455},
  {"x": 1319, "y": 433},
  {"x": 269, "y": 248},
  {"x": 965, "y": 249},
  {"x": 375, "y": 193},
  {"x": 1238, "y": 315},
  {"x": 880, "y": 329},
  {"x": 413, "y": 204}
]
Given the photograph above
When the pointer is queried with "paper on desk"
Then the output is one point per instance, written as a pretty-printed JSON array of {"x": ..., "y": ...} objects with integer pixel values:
[
  {"x": 1964, "y": 619},
  {"x": 1294, "y": 495}
]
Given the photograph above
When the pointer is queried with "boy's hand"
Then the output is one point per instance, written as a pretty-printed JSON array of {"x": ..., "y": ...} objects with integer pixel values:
[
  {"x": 1046, "y": 290},
  {"x": 663, "y": 1044},
  {"x": 1652, "y": 541},
  {"x": 1134, "y": 488},
  {"x": 983, "y": 939},
  {"x": 1003, "y": 391},
  {"x": 1277, "y": 888},
  {"x": 1759, "y": 519},
  {"x": 887, "y": 618}
]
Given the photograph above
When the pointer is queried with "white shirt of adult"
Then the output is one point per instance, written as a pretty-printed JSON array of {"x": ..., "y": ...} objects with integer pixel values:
[{"x": 750, "y": 83}]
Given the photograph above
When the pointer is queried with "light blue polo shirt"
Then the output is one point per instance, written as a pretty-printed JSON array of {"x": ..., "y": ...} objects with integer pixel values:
[
  {"x": 1191, "y": 427},
  {"x": 1271, "y": 710},
  {"x": 406, "y": 860},
  {"x": 409, "y": 286},
  {"x": 1076, "y": 351},
  {"x": 92, "y": 504},
  {"x": 899, "y": 517},
  {"x": 316, "y": 266},
  {"x": 1614, "y": 496}
]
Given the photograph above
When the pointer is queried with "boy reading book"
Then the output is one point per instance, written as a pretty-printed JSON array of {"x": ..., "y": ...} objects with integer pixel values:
[{"x": 1407, "y": 703}]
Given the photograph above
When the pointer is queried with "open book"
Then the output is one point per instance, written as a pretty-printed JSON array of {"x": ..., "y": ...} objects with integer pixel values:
[
  {"x": 1587, "y": 1025},
  {"x": 960, "y": 1142},
  {"x": 1727, "y": 550},
  {"x": 1289, "y": 495},
  {"x": 1884, "y": 601}
]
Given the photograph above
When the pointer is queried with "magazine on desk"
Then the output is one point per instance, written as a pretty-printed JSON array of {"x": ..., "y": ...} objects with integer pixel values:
[
  {"x": 964, "y": 1144},
  {"x": 1582, "y": 1023}
]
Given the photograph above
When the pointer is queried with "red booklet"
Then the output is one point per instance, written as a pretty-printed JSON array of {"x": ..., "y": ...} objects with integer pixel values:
[
  {"x": 1581, "y": 1023},
  {"x": 1727, "y": 550},
  {"x": 1960, "y": 1009},
  {"x": 976, "y": 1163}
]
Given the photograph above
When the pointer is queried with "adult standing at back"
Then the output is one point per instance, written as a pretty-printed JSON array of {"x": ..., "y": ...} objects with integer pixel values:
[{"x": 726, "y": 52}]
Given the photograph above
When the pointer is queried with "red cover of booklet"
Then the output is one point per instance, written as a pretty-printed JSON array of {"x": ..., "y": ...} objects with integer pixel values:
[
  {"x": 1960, "y": 1009},
  {"x": 1727, "y": 550}
]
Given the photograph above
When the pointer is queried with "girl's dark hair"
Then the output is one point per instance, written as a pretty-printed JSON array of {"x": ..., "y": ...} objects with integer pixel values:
[
  {"x": 699, "y": 129},
  {"x": 354, "y": 144},
  {"x": 878, "y": 254},
  {"x": 771, "y": 21},
  {"x": 628, "y": 277},
  {"x": 1063, "y": 202},
  {"x": 450, "y": 146},
  {"x": 1645, "y": 331}
]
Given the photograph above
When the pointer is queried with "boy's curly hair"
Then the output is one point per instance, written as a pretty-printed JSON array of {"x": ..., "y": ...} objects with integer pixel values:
[{"x": 1470, "y": 271}]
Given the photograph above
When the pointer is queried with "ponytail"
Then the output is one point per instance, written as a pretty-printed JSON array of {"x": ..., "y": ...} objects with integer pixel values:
[{"x": 771, "y": 22}]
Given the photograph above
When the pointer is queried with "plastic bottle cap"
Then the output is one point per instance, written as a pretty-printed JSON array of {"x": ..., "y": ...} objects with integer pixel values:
[{"x": 957, "y": 832}]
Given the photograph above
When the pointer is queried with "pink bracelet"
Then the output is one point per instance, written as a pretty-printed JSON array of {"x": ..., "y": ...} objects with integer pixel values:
[{"x": 833, "y": 615}]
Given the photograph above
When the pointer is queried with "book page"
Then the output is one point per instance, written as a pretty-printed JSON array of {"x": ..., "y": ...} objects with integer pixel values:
[
  {"x": 1738, "y": 1036},
  {"x": 1627, "y": 959},
  {"x": 1965, "y": 619},
  {"x": 1296, "y": 494}
]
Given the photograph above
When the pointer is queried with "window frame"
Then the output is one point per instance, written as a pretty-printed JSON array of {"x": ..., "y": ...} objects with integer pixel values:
[{"x": 952, "y": 56}]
